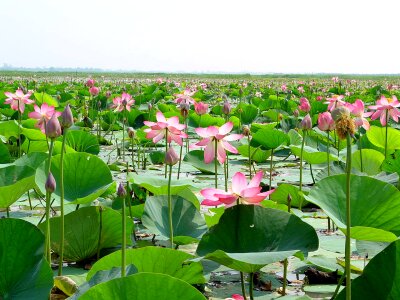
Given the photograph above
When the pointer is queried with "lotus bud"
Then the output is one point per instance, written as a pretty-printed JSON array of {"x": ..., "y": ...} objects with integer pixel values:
[
  {"x": 99, "y": 104},
  {"x": 121, "y": 192},
  {"x": 149, "y": 106},
  {"x": 226, "y": 109},
  {"x": 67, "y": 119},
  {"x": 50, "y": 184},
  {"x": 108, "y": 94},
  {"x": 200, "y": 108},
  {"x": 53, "y": 127},
  {"x": 131, "y": 132},
  {"x": 246, "y": 130},
  {"x": 306, "y": 123},
  {"x": 171, "y": 158},
  {"x": 296, "y": 113}
]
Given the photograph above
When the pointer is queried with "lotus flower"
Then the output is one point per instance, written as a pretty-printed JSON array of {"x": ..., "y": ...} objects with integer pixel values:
[
  {"x": 306, "y": 123},
  {"x": 304, "y": 105},
  {"x": 185, "y": 97},
  {"x": 18, "y": 100},
  {"x": 123, "y": 102},
  {"x": 219, "y": 135},
  {"x": 90, "y": 82},
  {"x": 334, "y": 102},
  {"x": 357, "y": 109},
  {"x": 43, "y": 114},
  {"x": 240, "y": 192},
  {"x": 300, "y": 89},
  {"x": 163, "y": 126},
  {"x": 94, "y": 90},
  {"x": 384, "y": 105}
]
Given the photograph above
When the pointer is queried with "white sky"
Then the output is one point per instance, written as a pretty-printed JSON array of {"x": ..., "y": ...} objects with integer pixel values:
[{"x": 285, "y": 36}]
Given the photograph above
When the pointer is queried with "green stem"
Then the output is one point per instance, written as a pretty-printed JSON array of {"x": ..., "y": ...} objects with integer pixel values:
[
  {"x": 348, "y": 219},
  {"x": 8, "y": 212},
  {"x": 270, "y": 170},
  {"x": 338, "y": 286},
  {"x": 285, "y": 267},
  {"x": 123, "y": 136},
  {"x": 312, "y": 174},
  {"x": 216, "y": 163},
  {"x": 100, "y": 231},
  {"x": 62, "y": 226},
  {"x": 301, "y": 167},
  {"x": 361, "y": 158},
  {"x": 29, "y": 200},
  {"x": 123, "y": 248},
  {"x": 386, "y": 132},
  {"x": 248, "y": 142},
  {"x": 166, "y": 150},
  {"x": 180, "y": 160},
  {"x": 133, "y": 154},
  {"x": 48, "y": 198},
  {"x": 242, "y": 285},
  {"x": 171, "y": 229},
  {"x": 328, "y": 155},
  {"x": 251, "y": 285},
  {"x": 19, "y": 131}
]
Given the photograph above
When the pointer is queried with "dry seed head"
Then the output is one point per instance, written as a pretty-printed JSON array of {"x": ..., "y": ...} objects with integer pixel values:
[{"x": 344, "y": 123}]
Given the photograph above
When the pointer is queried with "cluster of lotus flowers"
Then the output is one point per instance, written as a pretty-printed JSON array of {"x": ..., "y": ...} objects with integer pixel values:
[{"x": 214, "y": 140}]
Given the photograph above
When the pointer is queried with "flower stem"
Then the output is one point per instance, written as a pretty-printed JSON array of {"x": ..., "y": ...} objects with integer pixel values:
[
  {"x": 171, "y": 229},
  {"x": 61, "y": 258},
  {"x": 248, "y": 142},
  {"x": 361, "y": 158},
  {"x": 180, "y": 160},
  {"x": 19, "y": 131},
  {"x": 348, "y": 219},
  {"x": 166, "y": 150},
  {"x": 251, "y": 285},
  {"x": 123, "y": 136},
  {"x": 242, "y": 285},
  {"x": 100, "y": 231},
  {"x": 48, "y": 199},
  {"x": 123, "y": 248},
  {"x": 301, "y": 167},
  {"x": 328, "y": 155},
  {"x": 270, "y": 170},
  {"x": 285, "y": 266},
  {"x": 216, "y": 163},
  {"x": 386, "y": 132}
]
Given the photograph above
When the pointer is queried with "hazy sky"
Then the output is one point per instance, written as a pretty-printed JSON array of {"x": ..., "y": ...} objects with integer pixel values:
[{"x": 258, "y": 36}]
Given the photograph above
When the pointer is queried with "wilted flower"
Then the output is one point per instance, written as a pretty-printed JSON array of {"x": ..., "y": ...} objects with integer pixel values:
[{"x": 343, "y": 122}]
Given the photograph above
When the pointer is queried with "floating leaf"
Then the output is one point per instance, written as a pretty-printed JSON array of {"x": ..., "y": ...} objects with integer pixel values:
[
  {"x": 269, "y": 138},
  {"x": 24, "y": 270},
  {"x": 186, "y": 219},
  {"x": 158, "y": 286},
  {"x": 249, "y": 237},
  {"x": 374, "y": 211}
]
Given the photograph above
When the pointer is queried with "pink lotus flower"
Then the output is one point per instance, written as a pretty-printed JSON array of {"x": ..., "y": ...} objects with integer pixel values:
[
  {"x": 203, "y": 86},
  {"x": 123, "y": 102},
  {"x": 357, "y": 109},
  {"x": 90, "y": 82},
  {"x": 159, "y": 80},
  {"x": 319, "y": 98},
  {"x": 258, "y": 94},
  {"x": 18, "y": 100},
  {"x": 43, "y": 114},
  {"x": 94, "y": 90},
  {"x": 219, "y": 135},
  {"x": 386, "y": 106},
  {"x": 200, "y": 108},
  {"x": 304, "y": 105},
  {"x": 240, "y": 192},
  {"x": 306, "y": 123},
  {"x": 334, "y": 102},
  {"x": 163, "y": 126},
  {"x": 283, "y": 87},
  {"x": 326, "y": 122},
  {"x": 335, "y": 79},
  {"x": 300, "y": 89},
  {"x": 235, "y": 297},
  {"x": 185, "y": 97}
]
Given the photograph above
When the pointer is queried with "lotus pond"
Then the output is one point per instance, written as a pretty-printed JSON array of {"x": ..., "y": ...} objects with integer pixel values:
[{"x": 199, "y": 188}]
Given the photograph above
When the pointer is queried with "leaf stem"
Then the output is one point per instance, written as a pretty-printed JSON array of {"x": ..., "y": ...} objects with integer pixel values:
[
  {"x": 62, "y": 225},
  {"x": 171, "y": 229},
  {"x": 348, "y": 220}
]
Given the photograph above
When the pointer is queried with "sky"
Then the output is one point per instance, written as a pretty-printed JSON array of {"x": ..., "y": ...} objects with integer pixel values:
[{"x": 212, "y": 36}]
